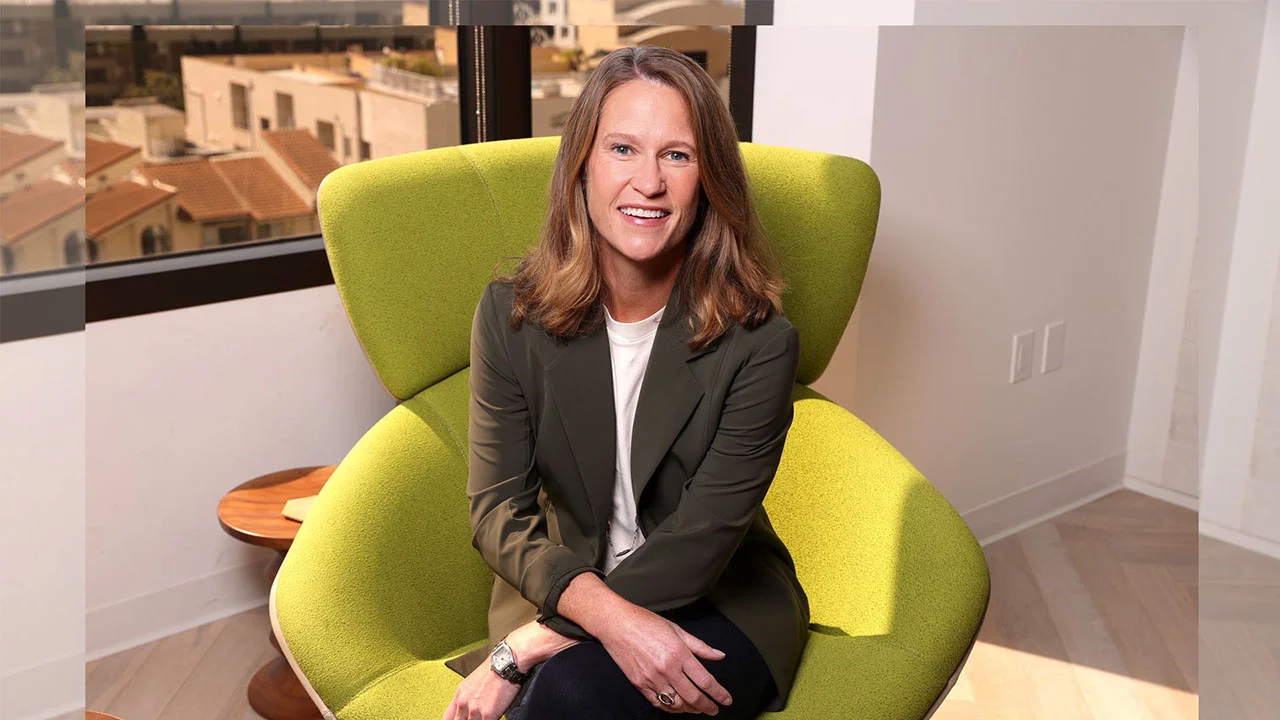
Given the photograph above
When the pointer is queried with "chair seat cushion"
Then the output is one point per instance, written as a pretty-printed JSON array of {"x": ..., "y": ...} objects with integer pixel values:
[
  {"x": 861, "y": 678},
  {"x": 840, "y": 677}
]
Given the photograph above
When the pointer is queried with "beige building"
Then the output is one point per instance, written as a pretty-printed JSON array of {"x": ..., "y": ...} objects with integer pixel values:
[
  {"x": 158, "y": 130},
  {"x": 41, "y": 227},
  {"x": 26, "y": 158},
  {"x": 104, "y": 163},
  {"x": 232, "y": 198},
  {"x": 130, "y": 218}
]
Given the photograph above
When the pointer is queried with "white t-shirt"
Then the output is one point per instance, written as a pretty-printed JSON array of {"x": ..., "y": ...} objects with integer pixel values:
[{"x": 629, "y": 346}]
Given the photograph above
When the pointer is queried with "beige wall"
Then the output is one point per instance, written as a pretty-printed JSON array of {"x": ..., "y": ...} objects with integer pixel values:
[
  {"x": 31, "y": 171},
  {"x": 590, "y": 12},
  {"x": 159, "y": 135},
  {"x": 397, "y": 124},
  {"x": 110, "y": 174},
  {"x": 42, "y": 249}
]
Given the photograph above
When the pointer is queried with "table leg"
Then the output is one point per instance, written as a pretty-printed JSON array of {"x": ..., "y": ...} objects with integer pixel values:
[{"x": 275, "y": 691}]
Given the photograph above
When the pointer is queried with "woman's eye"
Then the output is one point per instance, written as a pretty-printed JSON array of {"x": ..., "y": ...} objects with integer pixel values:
[
  {"x": 615, "y": 147},
  {"x": 684, "y": 156}
]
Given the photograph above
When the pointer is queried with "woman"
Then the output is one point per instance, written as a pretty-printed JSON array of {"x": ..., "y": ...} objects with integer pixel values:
[{"x": 622, "y": 440}]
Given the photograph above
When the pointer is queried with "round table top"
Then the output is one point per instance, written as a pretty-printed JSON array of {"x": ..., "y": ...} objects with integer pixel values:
[
  {"x": 252, "y": 511},
  {"x": 95, "y": 715}
]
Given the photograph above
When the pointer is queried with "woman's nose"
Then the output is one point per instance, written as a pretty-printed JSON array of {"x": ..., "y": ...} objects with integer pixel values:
[{"x": 648, "y": 178}]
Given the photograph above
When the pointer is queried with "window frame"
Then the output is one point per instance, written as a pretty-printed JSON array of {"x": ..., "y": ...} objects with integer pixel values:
[{"x": 62, "y": 300}]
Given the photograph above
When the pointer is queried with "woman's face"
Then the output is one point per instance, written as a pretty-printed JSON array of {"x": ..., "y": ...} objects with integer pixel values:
[{"x": 643, "y": 160}]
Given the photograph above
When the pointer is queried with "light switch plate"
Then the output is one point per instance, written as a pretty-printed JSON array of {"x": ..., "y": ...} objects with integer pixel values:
[
  {"x": 1024, "y": 344},
  {"x": 1055, "y": 340}
]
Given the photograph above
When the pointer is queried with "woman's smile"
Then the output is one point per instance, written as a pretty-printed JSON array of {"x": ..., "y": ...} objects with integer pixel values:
[{"x": 643, "y": 218}]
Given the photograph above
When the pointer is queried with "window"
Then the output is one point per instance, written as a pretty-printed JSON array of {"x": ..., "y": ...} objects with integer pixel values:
[
  {"x": 284, "y": 111},
  {"x": 232, "y": 234},
  {"x": 71, "y": 249},
  {"x": 8, "y": 259},
  {"x": 264, "y": 230},
  {"x": 404, "y": 96},
  {"x": 240, "y": 106},
  {"x": 155, "y": 240},
  {"x": 324, "y": 131}
]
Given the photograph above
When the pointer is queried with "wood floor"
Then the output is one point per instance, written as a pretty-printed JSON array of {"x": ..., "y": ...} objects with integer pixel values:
[{"x": 1093, "y": 616}]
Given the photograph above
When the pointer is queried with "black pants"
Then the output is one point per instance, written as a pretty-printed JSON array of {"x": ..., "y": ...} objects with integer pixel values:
[{"x": 582, "y": 682}]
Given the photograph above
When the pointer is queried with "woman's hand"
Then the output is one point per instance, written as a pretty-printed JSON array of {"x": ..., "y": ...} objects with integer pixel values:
[
  {"x": 658, "y": 655},
  {"x": 482, "y": 695}
]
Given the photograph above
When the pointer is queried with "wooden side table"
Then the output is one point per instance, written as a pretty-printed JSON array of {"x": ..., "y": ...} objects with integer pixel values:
[{"x": 252, "y": 513}]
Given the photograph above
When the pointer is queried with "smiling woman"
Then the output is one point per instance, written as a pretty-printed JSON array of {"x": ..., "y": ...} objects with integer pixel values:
[{"x": 643, "y": 344}]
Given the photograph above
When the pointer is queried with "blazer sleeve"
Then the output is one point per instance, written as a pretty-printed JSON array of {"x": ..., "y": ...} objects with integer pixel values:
[
  {"x": 509, "y": 527},
  {"x": 683, "y": 558}
]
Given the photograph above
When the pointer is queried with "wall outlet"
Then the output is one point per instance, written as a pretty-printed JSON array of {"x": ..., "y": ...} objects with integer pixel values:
[
  {"x": 1023, "y": 347},
  {"x": 1055, "y": 340}
]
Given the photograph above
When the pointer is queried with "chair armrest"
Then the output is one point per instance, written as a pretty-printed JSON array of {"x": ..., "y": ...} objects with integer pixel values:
[
  {"x": 878, "y": 549},
  {"x": 382, "y": 573}
]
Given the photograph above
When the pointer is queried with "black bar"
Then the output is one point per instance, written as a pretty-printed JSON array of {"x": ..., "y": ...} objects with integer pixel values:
[
  {"x": 501, "y": 55},
  {"x": 758, "y": 12},
  {"x": 119, "y": 297},
  {"x": 742, "y": 78},
  {"x": 41, "y": 313}
]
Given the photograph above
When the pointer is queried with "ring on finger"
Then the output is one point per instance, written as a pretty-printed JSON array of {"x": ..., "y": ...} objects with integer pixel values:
[{"x": 666, "y": 699}]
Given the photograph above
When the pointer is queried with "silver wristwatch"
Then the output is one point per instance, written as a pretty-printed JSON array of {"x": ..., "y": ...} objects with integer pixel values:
[{"x": 503, "y": 662}]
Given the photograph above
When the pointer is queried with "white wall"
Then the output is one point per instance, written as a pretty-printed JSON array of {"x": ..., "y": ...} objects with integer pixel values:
[
  {"x": 181, "y": 407},
  {"x": 1241, "y": 499},
  {"x": 42, "y": 537},
  {"x": 1163, "y": 445},
  {"x": 1022, "y": 170},
  {"x": 796, "y": 108}
]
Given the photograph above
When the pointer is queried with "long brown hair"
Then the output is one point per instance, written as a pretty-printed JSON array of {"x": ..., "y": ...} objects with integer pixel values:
[{"x": 730, "y": 272}]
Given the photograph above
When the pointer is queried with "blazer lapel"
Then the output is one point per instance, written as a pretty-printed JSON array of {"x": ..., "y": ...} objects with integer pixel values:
[
  {"x": 581, "y": 380},
  {"x": 668, "y": 395}
]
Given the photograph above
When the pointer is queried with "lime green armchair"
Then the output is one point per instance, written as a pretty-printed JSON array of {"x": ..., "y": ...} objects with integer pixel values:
[{"x": 363, "y": 606}]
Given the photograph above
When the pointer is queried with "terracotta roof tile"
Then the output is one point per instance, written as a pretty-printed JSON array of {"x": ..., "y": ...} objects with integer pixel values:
[
  {"x": 35, "y": 206},
  {"x": 203, "y": 193},
  {"x": 17, "y": 148},
  {"x": 266, "y": 195},
  {"x": 101, "y": 154},
  {"x": 118, "y": 202},
  {"x": 304, "y": 154}
]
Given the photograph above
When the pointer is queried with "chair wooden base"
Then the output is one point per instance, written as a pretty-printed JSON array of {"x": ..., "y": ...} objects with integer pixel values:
[{"x": 276, "y": 694}]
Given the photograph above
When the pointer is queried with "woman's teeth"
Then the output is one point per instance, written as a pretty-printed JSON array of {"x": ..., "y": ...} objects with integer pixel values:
[{"x": 636, "y": 212}]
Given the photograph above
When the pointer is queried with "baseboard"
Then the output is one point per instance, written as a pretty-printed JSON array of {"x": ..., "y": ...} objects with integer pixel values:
[
  {"x": 48, "y": 690},
  {"x": 1244, "y": 540},
  {"x": 1019, "y": 510},
  {"x": 1159, "y": 492},
  {"x": 149, "y": 617}
]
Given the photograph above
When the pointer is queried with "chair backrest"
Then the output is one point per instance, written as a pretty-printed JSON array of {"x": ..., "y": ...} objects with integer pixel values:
[{"x": 413, "y": 240}]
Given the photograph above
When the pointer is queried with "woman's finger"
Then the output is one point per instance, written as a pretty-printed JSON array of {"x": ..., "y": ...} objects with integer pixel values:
[
  {"x": 707, "y": 683},
  {"x": 693, "y": 696},
  {"x": 451, "y": 712},
  {"x": 697, "y": 646}
]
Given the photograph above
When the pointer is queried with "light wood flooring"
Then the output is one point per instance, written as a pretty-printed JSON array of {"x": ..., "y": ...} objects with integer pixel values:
[{"x": 1093, "y": 616}]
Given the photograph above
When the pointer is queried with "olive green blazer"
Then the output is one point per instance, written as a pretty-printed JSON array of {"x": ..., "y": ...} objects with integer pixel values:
[{"x": 709, "y": 431}]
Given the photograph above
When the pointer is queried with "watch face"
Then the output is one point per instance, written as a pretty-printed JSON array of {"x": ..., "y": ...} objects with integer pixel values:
[{"x": 502, "y": 657}]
